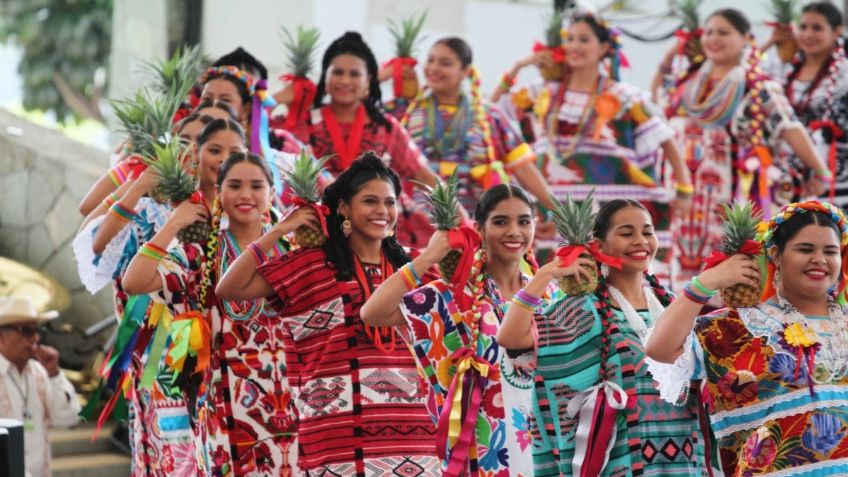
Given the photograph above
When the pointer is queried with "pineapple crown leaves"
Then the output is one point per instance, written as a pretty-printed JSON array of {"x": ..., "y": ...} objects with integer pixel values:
[
  {"x": 303, "y": 176},
  {"x": 687, "y": 10},
  {"x": 741, "y": 223},
  {"x": 406, "y": 34},
  {"x": 784, "y": 10},
  {"x": 444, "y": 201},
  {"x": 301, "y": 47},
  {"x": 173, "y": 163},
  {"x": 180, "y": 72},
  {"x": 146, "y": 118},
  {"x": 553, "y": 28},
  {"x": 574, "y": 220}
]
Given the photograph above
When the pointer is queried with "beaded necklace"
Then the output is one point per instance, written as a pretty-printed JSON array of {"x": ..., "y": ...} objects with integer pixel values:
[
  {"x": 454, "y": 140},
  {"x": 831, "y": 79},
  {"x": 585, "y": 116},
  {"x": 240, "y": 310}
]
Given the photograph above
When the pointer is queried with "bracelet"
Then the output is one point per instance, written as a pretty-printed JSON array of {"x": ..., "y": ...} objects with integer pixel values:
[
  {"x": 687, "y": 189},
  {"x": 702, "y": 300},
  {"x": 408, "y": 274},
  {"x": 506, "y": 82},
  {"x": 528, "y": 298},
  {"x": 258, "y": 254},
  {"x": 517, "y": 302},
  {"x": 122, "y": 213},
  {"x": 153, "y": 251},
  {"x": 824, "y": 174},
  {"x": 111, "y": 199},
  {"x": 697, "y": 285},
  {"x": 412, "y": 272}
]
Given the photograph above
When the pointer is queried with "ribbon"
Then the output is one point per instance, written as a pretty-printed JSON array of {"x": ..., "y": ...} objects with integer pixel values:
[
  {"x": 684, "y": 36},
  {"x": 302, "y": 98},
  {"x": 320, "y": 209},
  {"x": 397, "y": 64},
  {"x": 345, "y": 150},
  {"x": 458, "y": 417},
  {"x": 190, "y": 336},
  {"x": 596, "y": 426},
  {"x": 259, "y": 129},
  {"x": 836, "y": 133},
  {"x": 607, "y": 106},
  {"x": 749, "y": 247},
  {"x": 557, "y": 52},
  {"x": 465, "y": 239},
  {"x": 136, "y": 165},
  {"x": 489, "y": 175},
  {"x": 569, "y": 253}
]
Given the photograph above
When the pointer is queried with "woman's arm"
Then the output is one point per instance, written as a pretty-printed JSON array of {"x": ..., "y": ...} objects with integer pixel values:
[
  {"x": 666, "y": 342},
  {"x": 142, "y": 274},
  {"x": 111, "y": 224},
  {"x": 242, "y": 281},
  {"x": 102, "y": 208},
  {"x": 802, "y": 145},
  {"x": 682, "y": 202},
  {"x": 534, "y": 59},
  {"x": 383, "y": 308},
  {"x": 103, "y": 187},
  {"x": 531, "y": 178}
]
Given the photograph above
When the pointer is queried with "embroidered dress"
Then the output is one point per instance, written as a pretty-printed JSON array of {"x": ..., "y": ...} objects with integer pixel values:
[
  {"x": 619, "y": 157},
  {"x": 502, "y": 434},
  {"x": 361, "y": 409},
  {"x": 652, "y": 437},
  {"x": 765, "y": 417},
  {"x": 716, "y": 153}
]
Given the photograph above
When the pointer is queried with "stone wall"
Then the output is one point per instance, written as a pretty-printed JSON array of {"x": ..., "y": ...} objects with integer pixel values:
[{"x": 43, "y": 176}]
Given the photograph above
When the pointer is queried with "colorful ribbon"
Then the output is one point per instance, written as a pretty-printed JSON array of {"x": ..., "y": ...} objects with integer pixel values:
[
  {"x": 452, "y": 430},
  {"x": 595, "y": 410},
  {"x": 569, "y": 253},
  {"x": 397, "y": 64},
  {"x": 190, "y": 336},
  {"x": 302, "y": 98},
  {"x": 685, "y": 36},
  {"x": 465, "y": 239},
  {"x": 320, "y": 209},
  {"x": 557, "y": 52},
  {"x": 836, "y": 133},
  {"x": 489, "y": 175},
  {"x": 749, "y": 247}
]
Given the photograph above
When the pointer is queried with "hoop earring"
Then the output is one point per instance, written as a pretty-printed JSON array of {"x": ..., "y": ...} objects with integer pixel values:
[{"x": 346, "y": 227}]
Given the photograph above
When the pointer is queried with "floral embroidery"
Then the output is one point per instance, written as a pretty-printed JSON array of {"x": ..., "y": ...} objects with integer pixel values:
[{"x": 761, "y": 449}]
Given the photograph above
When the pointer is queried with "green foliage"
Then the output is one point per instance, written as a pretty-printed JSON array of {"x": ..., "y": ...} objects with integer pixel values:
[
  {"x": 687, "y": 10},
  {"x": 553, "y": 28},
  {"x": 784, "y": 10},
  {"x": 444, "y": 200},
  {"x": 303, "y": 177},
  {"x": 65, "y": 44},
  {"x": 740, "y": 224},
  {"x": 301, "y": 49},
  {"x": 574, "y": 220},
  {"x": 179, "y": 72},
  {"x": 406, "y": 34}
]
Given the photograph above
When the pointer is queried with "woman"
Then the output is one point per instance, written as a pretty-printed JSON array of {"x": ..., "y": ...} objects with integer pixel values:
[
  {"x": 583, "y": 345},
  {"x": 353, "y": 122},
  {"x": 356, "y": 387},
  {"x": 776, "y": 373},
  {"x": 728, "y": 116},
  {"x": 596, "y": 132},
  {"x": 445, "y": 332},
  {"x": 246, "y": 421},
  {"x": 456, "y": 130}
]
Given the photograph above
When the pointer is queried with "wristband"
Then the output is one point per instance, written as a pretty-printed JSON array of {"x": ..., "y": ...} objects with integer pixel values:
[
  {"x": 409, "y": 276},
  {"x": 111, "y": 199},
  {"x": 687, "y": 189},
  {"x": 528, "y": 298},
  {"x": 121, "y": 212},
  {"x": 258, "y": 254},
  {"x": 824, "y": 174},
  {"x": 152, "y": 251},
  {"x": 506, "y": 82},
  {"x": 412, "y": 272},
  {"x": 699, "y": 287},
  {"x": 517, "y": 302},
  {"x": 690, "y": 294}
]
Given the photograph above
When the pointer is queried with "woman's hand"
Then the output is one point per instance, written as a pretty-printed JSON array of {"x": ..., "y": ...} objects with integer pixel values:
[
  {"x": 555, "y": 270},
  {"x": 302, "y": 217},
  {"x": 147, "y": 181},
  {"x": 438, "y": 247},
  {"x": 285, "y": 95},
  {"x": 188, "y": 213},
  {"x": 739, "y": 268},
  {"x": 681, "y": 205},
  {"x": 816, "y": 186}
]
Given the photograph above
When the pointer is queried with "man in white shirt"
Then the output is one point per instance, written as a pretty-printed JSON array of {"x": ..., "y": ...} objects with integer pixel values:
[{"x": 32, "y": 387}]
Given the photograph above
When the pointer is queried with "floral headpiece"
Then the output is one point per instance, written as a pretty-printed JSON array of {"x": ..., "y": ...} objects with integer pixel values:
[
  {"x": 615, "y": 40},
  {"x": 791, "y": 210},
  {"x": 232, "y": 71}
]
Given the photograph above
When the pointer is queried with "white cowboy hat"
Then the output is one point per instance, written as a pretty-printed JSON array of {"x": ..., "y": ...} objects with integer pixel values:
[{"x": 22, "y": 310}]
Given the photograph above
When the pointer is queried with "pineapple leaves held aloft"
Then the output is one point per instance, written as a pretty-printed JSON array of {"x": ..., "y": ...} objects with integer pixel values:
[
  {"x": 176, "y": 169},
  {"x": 406, "y": 34},
  {"x": 784, "y": 10},
  {"x": 740, "y": 224},
  {"x": 303, "y": 176},
  {"x": 178, "y": 73},
  {"x": 444, "y": 202},
  {"x": 553, "y": 28},
  {"x": 146, "y": 118},
  {"x": 301, "y": 49},
  {"x": 574, "y": 220},
  {"x": 687, "y": 10}
]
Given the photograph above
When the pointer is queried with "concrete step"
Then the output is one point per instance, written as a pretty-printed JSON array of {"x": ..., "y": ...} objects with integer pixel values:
[
  {"x": 91, "y": 465},
  {"x": 75, "y": 454},
  {"x": 78, "y": 440}
]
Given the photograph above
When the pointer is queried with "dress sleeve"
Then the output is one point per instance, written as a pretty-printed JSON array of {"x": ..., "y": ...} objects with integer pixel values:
[
  {"x": 178, "y": 285},
  {"x": 433, "y": 332},
  {"x": 673, "y": 379},
  {"x": 510, "y": 145},
  {"x": 407, "y": 159},
  {"x": 97, "y": 271},
  {"x": 779, "y": 114},
  {"x": 650, "y": 129}
]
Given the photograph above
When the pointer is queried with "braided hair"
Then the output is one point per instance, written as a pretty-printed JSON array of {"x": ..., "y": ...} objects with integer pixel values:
[
  {"x": 351, "y": 43},
  {"x": 363, "y": 170}
]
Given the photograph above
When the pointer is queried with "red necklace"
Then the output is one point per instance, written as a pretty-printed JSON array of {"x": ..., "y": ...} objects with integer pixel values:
[
  {"x": 345, "y": 150},
  {"x": 375, "y": 333}
]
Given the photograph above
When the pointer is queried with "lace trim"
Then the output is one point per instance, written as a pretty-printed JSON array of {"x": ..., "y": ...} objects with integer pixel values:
[
  {"x": 97, "y": 271},
  {"x": 673, "y": 379}
]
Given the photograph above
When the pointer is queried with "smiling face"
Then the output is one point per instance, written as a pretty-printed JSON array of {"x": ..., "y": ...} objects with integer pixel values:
[
  {"x": 347, "y": 79},
  {"x": 722, "y": 43},
  {"x": 810, "y": 262},
  {"x": 815, "y": 35},
  {"x": 444, "y": 71},
  {"x": 372, "y": 211},
  {"x": 245, "y": 193},
  {"x": 583, "y": 47},
  {"x": 223, "y": 90},
  {"x": 508, "y": 230},
  {"x": 631, "y": 237},
  {"x": 214, "y": 151}
]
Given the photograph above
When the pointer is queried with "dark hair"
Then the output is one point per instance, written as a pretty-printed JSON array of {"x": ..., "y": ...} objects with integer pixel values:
[
  {"x": 216, "y": 125},
  {"x": 351, "y": 43},
  {"x": 736, "y": 19},
  {"x": 201, "y": 118},
  {"x": 363, "y": 170},
  {"x": 460, "y": 48},
  {"x": 785, "y": 231},
  {"x": 238, "y": 158},
  {"x": 828, "y": 10},
  {"x": 601, "y": 32},
  {"x": 604, "y": 217},
  {"x": 244, "y": 94},
  {"x": 243, "y": 60},
  {"x": 494, "y": 196},
  {"x": 216, "y": 104}
]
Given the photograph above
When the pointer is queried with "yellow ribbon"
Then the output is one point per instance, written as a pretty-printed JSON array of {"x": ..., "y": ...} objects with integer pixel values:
[
  {"x": 464, "y": 364},
  {"x": 483, "y": 173}
]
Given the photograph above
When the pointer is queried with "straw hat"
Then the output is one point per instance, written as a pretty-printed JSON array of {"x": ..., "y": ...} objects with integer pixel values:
[{"x": 22, "y": 310}]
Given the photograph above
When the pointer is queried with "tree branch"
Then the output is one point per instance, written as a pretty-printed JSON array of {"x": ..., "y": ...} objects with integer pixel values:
[{"x": 76, "y": 100}]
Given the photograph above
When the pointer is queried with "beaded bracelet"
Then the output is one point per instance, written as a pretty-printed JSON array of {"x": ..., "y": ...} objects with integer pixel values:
[
  {"x": 697, "y": 285},
  {"x": 121, "y": 212},
  {"x": 153, "y": 251},
  {"x": 258, "y": 254},
  {"x": 690, "y": 294},
  {"x": 528, "y": 298}
]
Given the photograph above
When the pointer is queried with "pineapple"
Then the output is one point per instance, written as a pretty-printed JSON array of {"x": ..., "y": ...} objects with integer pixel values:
[
  {"x": 146, "y": 118},
  {"x": 784, "y": 13},
  {"x": 406, "y": 40},
  {"x": 740, "y": 224},
  {"x": 301, "y": 49},
  {"x": 444, "y": 215},
  {"x": 553, "y": 39},
  {"x": 688, "y": 11},
  {"x": 574, "y": 222},
  {"x": 303, "y": 179},
  {"x": 178, "y": 73},
  {"x": 174, "y": 165}
]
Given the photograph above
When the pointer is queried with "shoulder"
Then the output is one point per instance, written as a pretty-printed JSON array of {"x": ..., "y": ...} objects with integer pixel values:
[{"x": 628, "y": 94}]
